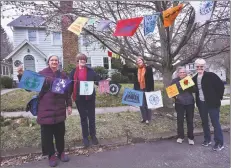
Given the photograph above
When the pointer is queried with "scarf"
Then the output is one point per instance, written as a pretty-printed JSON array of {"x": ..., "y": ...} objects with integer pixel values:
[
  {"x": 141, "y": 78},
  {"x": 77, "y": 81}
]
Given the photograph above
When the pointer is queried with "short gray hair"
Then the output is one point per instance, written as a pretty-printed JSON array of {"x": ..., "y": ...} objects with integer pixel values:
[
  {"x": 200, "y": 61},
  {"x": 179, "y": 68}
]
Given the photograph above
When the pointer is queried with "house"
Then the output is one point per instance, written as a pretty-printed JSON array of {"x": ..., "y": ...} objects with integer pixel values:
[{"x": 6, "y": 69}]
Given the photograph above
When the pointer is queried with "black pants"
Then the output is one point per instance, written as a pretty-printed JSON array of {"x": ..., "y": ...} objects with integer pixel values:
[
  {"x": 50, "y": 131},
  {"x": 181, "y": 110},
  {"x": 86, "y": 110},
  {"x": 44, "y": 151}
]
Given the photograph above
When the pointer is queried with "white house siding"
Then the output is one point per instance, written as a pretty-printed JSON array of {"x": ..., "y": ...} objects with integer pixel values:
[
  {"x": 19, "y": 35},
  {"x": 39, "y": 60}
]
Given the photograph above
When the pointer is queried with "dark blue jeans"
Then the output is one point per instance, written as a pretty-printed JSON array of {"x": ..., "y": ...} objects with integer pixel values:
[{"x": 214, "y": 114}]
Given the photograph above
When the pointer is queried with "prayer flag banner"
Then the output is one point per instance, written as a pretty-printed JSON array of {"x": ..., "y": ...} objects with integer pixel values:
[
  {"x": 203, "y": 10},
  {"x": 104, "y": 86},
  {"x": 114, "y": 55},
  {"x": 127, "y": 27},
  {"x": 77, "y": 26},
  {"x": 109, "y": 53},
  {"x": 31, "y": 81},
  {"x": 86, "y": 87},
  {"x": 132, "y": 97},
  {"x": 150, "y": 23},
  {"x": 60, "y": 85},
  {"x": 103, "y": 24},
  {"x": 114, "y": 88},
  {"x": 91, "y": 21},
  {"x": 154, "y": 99},
  {"x": 172, "y": 91},
  {"x": 170, "y": 15},
  {"x": 186, "y": 83}
]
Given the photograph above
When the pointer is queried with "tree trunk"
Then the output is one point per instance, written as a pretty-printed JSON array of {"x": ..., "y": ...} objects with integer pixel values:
[{"x": 167, "y": 78}]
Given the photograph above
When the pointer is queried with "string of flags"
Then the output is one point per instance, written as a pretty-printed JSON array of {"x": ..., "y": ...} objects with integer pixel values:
[{"x": 127, "y": 27}]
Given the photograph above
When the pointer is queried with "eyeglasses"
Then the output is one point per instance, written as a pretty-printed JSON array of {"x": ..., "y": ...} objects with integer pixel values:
[
  {"x": 199, "y": 66},
  {"x": 182, "y": 72}
]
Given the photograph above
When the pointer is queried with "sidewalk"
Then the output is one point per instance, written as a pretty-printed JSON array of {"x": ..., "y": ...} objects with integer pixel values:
[{"x": 4, "y": 91}]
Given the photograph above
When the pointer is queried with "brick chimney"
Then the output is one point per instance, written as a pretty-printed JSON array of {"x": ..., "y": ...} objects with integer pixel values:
[{"x": 70, "y": 40}]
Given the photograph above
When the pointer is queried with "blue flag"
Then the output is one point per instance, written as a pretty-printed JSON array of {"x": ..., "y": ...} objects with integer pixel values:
[
  {"x": 150, "y": 23},
  {"x": 60, "y": 85},
  {"x": 31, "y": 81},
  {"x": 132, "y": 97}
]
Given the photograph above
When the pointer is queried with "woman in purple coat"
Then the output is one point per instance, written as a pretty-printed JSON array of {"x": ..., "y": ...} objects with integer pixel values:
[{"x": 52, "y": 109}]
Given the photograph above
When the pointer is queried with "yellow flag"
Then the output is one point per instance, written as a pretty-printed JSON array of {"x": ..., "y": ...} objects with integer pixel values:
[
  {"x": 114, "y": 55},
  {"x": 186, "y": 83},
  {"x": 172, "y": 91},
  {"x": 170, "y": 15},
  {"x": 77, "y": 26}
]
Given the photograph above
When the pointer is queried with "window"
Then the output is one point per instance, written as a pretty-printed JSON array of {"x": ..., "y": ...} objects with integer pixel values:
[
  {"x": 105, "y": 63},
  {"x": 32, "y": 35},
  {"x": 4, "y": 70},
  {"x": 88, "y": 61},
  {"x": 7, "y": 70},
  {"x": 57, "y": 38}
]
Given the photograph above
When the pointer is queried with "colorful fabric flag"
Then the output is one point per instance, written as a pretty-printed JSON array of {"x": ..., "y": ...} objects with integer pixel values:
[
  {"x": 31, "y": 81},
  {"x": 109, "y": 53},
  {"x": 132, "y": 97},
  {"x": 172, "y": 91},
  {"x": 77, "y": 26},
  {"x": 127, "y": 27},
  {"x": 203, "y": 10},
  {"x": 114, "y": 88},
  {"x": 154, "y": 99},
  {"x": 114, "y": 55},
  {"x": 86, "y": 87},
  {"x": 170, "y": 15},
  {"x": 104, "y": 86},
  {"x": 103, "y": 24},
  {"x": 60, "y": 85},
  {"x": 150, "y": 23},
  {"x": 186, "y": 83},
  {"x": 91, "y": 21}
]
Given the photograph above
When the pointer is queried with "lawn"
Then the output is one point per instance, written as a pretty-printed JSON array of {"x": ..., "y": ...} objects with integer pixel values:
[{"x": 17, "y": 100}]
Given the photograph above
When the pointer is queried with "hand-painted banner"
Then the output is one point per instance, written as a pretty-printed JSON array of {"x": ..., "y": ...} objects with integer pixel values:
[
  {"x": 172, "y": 91},
  {"x": 114, "y": 88},
  {"x": 86, "y": 87},
  {"x": 60, "y": 85},
  {"x": 114, "y": 55},
  {"x": 104, "y": 86},
  {"x": 203, "y": 10},
  {"x": 77, "y": 26},
  {"x": 103, "y": 24},
  {"x": 154, "y": 99},
  {"x": 31, "y": 81},
  {"x": 170, "y": 15},
  {"x": 132, "y": 97},
  {"x": 186, "y": 83},
  {"x": 91, "y": 21},
  {"x": 127, "y": 27},
  {"x": 150, "y": 23}
]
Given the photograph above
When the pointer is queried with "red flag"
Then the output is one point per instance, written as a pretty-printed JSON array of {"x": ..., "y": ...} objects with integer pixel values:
[
  {"x": 127, "y": 27},
  {"x": 109, "y": 53}
]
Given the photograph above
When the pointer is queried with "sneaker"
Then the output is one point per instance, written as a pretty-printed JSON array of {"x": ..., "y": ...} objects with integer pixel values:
[
  {"x": 190, "y": 142},
  {"x": 147, "y": 122},
  {"x": 142, "y": 121},
  {"x": 179, "y": 140},
  {"x": 205, "y": 143},
  {"x": 218, "y": 147},
  {"x": 63, "y": 157},
  {"x": 86, "y": 142},
  {"x": 53, "y": 161},
  {"x": 94, "y": 140}
]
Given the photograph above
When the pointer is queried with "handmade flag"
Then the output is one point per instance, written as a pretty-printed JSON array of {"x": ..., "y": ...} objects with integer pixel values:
[
  {"x": 154, "y": 99},
  {"x": 172, "y": 91},
  {"x": 114, "y": 55},
  {"x": 109, "y": 53},
  {"x": 203, "y": 10},
  {"x": 60, "y": 85},
  {"x": 170, "y": 15},
  {"x": 127, "y": 27},
  {"x": 150, "y": 23},
  {"x": 103, "y": 24},
  {"x": 114, "y": 88},
  {"x": 132, "y": 97},
  {"x": 86, "y": 87},
  {"x": 186, "y": 83},
  {"x": 31, "y": 81},
  {"x": 104, "y": 86},
  {"x": 77, "y": 26},
  {"x": 91, "y": 21}
]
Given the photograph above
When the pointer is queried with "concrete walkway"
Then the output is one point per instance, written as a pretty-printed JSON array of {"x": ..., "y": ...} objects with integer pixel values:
[{"x": 4, "y": 91}]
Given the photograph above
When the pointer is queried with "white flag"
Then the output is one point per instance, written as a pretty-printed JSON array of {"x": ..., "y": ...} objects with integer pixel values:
[
  {"x": 203, "y": 10},
  {"x": 154, "y": 99},
  {"x": 86, "y": 87}
]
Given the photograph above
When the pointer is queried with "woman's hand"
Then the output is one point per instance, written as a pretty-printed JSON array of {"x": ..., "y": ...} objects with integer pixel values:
[
  {"x": 69, "y": 110},
  {"x": 20, "y": 70}
]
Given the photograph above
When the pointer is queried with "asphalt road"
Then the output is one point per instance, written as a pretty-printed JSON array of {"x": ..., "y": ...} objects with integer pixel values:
[{"x": 160, "y": 154}]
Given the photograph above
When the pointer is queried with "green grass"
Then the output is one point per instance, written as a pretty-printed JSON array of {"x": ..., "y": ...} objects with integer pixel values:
[{"x": 17, "y": 100}]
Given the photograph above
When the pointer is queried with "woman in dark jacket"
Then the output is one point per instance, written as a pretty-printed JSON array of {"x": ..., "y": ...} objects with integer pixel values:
[
  {"x": 184, "y": 104},
  {"x": 84, "y": 104},
  {"x": 52, "y": 109},
  {"x": 143, "y": 81}
]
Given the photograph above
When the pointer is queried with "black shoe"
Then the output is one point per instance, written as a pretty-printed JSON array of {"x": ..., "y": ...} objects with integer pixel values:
[
  {"x": 86, "y": 142},
  {"x": 94, "y": 140},
  {"x": 218, "y": 147},
  {"x": 142, "y": 121},
  {"x": 205, "y": 143}
]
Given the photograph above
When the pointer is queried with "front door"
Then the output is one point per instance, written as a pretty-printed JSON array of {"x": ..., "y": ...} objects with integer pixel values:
[{"x": 29, "y": 63}]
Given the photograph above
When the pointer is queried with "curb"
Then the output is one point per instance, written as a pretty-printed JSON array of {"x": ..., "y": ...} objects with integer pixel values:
[{"x": 106, "y": 143}]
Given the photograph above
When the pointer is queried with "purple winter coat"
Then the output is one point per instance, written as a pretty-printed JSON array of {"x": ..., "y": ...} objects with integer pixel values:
[{"x": 52, "y": 106}]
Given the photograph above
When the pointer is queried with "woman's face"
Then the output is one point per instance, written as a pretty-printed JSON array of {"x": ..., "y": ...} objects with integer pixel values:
[
  {"x": 53, "y": 62},
  {"x": 182, "y": 73},
  {"x": 200, "y": 68},
  {"x": 82, "y": 63},
  {"x": 139, "y": 62}
]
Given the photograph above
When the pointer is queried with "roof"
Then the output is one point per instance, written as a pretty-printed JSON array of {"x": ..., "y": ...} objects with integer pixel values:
[
  {"x": 21, "y": 45},
  {"x": 28, "y": 21}
]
